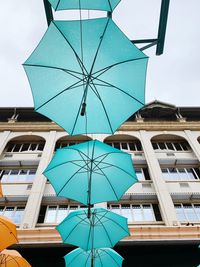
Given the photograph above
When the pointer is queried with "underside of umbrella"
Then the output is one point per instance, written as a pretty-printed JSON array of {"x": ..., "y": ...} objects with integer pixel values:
[
  {"x": 105, "y": 257},
  {"x": 11, "y": 258},
  {"x": 8, "y": 233},
  {"x": 103, "y": 229},
  {"x": 89, "y": 68},
  {"x": 91, "y": 172},
  {"x": 106, "y": 5}
]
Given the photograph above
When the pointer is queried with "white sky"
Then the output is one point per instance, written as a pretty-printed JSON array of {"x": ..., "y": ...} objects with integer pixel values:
[{"x": 173, "y": 77}]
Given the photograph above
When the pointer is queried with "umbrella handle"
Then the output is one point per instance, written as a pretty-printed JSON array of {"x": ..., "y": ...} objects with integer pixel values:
[
  {"x": 92, "y": 261},
  {"x": 83, "y": 109}
]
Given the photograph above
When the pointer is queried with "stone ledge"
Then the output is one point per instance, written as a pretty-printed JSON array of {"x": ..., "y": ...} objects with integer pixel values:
[
  {"x": 152, "y": 233},
  {"x": 127, "y": 126}
]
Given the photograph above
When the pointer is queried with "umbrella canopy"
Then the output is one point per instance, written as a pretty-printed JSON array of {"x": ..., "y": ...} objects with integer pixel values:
[
  {"x": 91, "y": 172},
  {"x": 106, "y": 5},
  {"x": 1, "y": 192},
  {"x": 12, "y": 258},
  {"x": 103, "y": 229},
  {"x": 82, "y": 80},
  {"x": 105, "y": 257},
  {"x": 8, "y": 233}
]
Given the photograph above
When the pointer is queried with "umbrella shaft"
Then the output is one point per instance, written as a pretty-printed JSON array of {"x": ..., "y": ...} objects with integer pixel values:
[{"x": 89, "y": 211}]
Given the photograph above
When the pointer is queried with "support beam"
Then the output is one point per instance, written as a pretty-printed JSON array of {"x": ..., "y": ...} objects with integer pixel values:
[
  {"x": 162, "y": 26},
  {"x": 48, "y": 11}
]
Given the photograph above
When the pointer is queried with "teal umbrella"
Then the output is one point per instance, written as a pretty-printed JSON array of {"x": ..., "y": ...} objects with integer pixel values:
[
  {"x": 106, "y": 5},
  {"x": 103, "y": 229},
  {"x": 91, "y": 172},
  {"x": 105, "y": 257},
  {"x": 87, "y": 76}
]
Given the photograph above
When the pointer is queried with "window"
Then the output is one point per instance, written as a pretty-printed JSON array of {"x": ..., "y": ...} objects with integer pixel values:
[
  {"x": 175, "y": 146},
  {"x": 67, "y": 143},
  {"x": 15, "y": 214},
  {"x": 137, "y": 213},
  {"x": 181, "y": 173},
  {"x": 17, "y": 175},
  {"x": 142, "y": 174},
  {"x": 188, "y": 212},
  {"x": 126, "y": 145},
  {"x": 54, "y": 214},
  {"x": 25, "y": 147}
]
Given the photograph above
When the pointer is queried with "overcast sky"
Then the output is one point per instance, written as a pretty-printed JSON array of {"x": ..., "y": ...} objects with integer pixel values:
[{"x": 173, "y": 77}]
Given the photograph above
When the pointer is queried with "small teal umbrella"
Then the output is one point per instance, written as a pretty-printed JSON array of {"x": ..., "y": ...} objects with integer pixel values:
[
  {"x": 87, "y": 77},
  {"x": 106, "y": 5},
  {"x": 91, "y": 172},
  {"x": 103, "y": 229},
  {"x": 105, "y": 257}
]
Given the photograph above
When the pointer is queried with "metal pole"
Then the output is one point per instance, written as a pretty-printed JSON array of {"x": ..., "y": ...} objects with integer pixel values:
[
  {"x": 48, "y": 11},
  {"x": 162, "y": 26}
]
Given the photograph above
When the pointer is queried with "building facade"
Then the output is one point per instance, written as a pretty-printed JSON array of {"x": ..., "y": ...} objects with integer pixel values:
[{"x": 163, "y": 208}]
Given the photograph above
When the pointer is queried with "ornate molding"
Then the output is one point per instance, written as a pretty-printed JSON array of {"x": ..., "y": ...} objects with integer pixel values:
[
  {"x": 127, "y": 126},
  {"x": 138, "y": 233}
]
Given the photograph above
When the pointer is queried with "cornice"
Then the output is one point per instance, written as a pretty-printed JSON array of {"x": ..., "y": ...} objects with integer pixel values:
[
  {"x": 127, "y": 126},
  {"x": 39, "y": 236}
]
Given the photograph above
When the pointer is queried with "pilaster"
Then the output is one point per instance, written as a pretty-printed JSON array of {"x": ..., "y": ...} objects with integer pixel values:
[
  {"x": 164, "y": 198},
  {"x": 192, "y": 140},
  {"x": 3, "y": 140},
  {"x": 34, "y": 201}
]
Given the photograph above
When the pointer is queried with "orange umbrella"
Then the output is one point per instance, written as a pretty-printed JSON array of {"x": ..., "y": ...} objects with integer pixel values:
[
  {"x": 12, "y": 258},
  {"x": 1, "y": 192},
  {"x": 8, "y": 233}
]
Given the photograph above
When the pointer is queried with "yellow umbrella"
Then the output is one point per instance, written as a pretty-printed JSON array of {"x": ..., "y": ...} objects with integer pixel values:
[
  {"x": 12, "y": 258},
  {"x": 8, "y": 233}
]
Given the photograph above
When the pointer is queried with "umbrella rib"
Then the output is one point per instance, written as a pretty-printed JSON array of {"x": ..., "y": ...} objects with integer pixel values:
[
  {"x": 73, "y": 86},
  {"x": 99, "y": 256},
  {"x": 93, "y": 63},
  {"x": 112, "y": 258},
  {"x": 55, "y": 68},
  {"x": 79, "y": 151},
  {"x": 9, "y": 230},
  {"x": 63, "y": 163},
  {"x": 57, "y": 4},
  {"x": 69, "y": 180},
  {"x": 108, "y": 182},
  {"x": 105, "y": 231},
  {"x": 110, "y": 5},
  {"x": 76, "y": 55},
  {"x": 115, "y": 166},
  {"x": 82, "y": 220},
  {"x": 115, "y": 64},
  {"x": 75, "y": 258},
  {"x": 113, "y": 86},
  {"x": 109, "y": 219},
  {"x": 88, "y": 239},
  {"x": 87, "y": 259},
  {"x": 98, "y": 48},
  {"x": 99, "y": 97},
  {"x": 101, "y": 161}
]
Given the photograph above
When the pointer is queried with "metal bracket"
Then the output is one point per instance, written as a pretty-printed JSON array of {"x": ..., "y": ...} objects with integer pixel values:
[{"x": 159, "y": 41}]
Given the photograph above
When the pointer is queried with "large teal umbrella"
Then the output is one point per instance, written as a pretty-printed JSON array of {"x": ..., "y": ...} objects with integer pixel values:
[
  {"x": 106, "y": 5},
  {"x": 102, "y": 257},
  {"x": 87, "y": 76},
  {"x": 103, "y": 229},
  {"x": 91, "y": 172}
]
